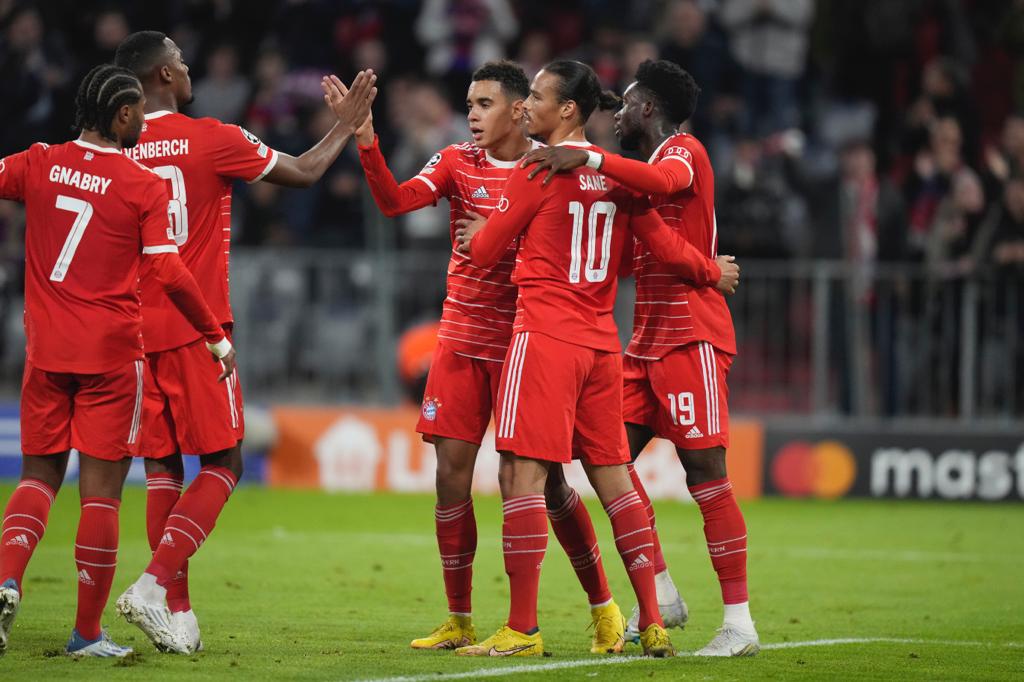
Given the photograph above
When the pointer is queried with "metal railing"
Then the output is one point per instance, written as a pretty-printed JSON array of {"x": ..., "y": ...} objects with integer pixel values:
[{"x": 815, "y": 338}]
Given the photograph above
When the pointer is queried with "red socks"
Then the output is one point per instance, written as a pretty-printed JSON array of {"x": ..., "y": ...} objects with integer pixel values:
[
  {"x": 24, "y": 523},
  {"x": 191, "y": 521},
  {"x": 656, "y": 556},
  {"x": 726, "y": 534},
  {"x": 633, "y": 540},
  {"x": 575, "y": 532},
  {"x": 524, "y": 541},
  {"x": 96, "y": 559},
  {"x": 162, "y": 493},
  {"x": 456, "y": 541}
]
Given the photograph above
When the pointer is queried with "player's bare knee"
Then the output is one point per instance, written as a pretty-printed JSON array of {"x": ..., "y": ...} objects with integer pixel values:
[
  {"x": 49, "y": 469},
  {"x": 172, "y": 465},
  {"x": 703, "y": 465},
  {"x": 230, "y": 459},
  {"x": 101, "y": 478}
]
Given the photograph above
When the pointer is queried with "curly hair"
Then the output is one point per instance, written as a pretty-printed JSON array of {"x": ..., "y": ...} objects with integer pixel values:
[
  {"x": 673, "y": 89},
  {"x": 513, "y": 79}
]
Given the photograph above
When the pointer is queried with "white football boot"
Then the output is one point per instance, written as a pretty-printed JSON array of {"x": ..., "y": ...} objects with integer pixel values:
[
  {"x": 670, "y": 604},
  {"x": 732, "y": 641},
  {"x": 101, "y": 647},
  {"x": 142, "y": 606},
  {"x": 187, "y": 625},
  {"x": 10, "y": 600}
]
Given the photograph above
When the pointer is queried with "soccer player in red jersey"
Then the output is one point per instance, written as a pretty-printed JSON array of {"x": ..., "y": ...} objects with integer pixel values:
[
  {"x": 94, "y": 218},
  {"x": 184, "y": 411},
  {"x": 683, "y": 339},
  {"x": 476, "y": 327},
  {"x": 561, "y": 387}
]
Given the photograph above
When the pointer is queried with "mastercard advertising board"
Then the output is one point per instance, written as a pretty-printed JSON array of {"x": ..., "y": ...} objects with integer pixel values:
[
  {"x": 886, "y": 463},
  {"x": 368, "y": 449}
]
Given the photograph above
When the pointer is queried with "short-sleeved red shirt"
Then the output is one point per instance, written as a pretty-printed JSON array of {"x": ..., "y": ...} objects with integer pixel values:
[
  {"x": 198, "y": 159},
  {"x": 90, "y": 214}
]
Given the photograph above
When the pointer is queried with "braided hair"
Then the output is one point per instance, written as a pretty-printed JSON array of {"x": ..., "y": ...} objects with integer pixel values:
[{"x": 104, "y": 90}]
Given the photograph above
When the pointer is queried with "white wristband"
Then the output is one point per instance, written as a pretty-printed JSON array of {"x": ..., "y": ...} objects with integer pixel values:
[
  {"x": 221, "y": 348},
  {"x": 594, "y": 160}
]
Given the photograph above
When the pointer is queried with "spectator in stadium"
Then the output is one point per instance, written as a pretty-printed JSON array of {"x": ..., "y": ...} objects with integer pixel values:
[
  {"x": 33, "y": 67},
  {"x": 693, "y": 39},
  {"x": 952, "y": 241},
  {"x": 460, "y": 35},
  {"x": 769, "y": 39},
  {"x": 223, "y": 93},
  {"x": 944, "y": 94},
  {"x": 931, "y": 180},
  {"x": 757, "y": 211},
  {"x": 424, "y": 122},
  {"x": 1005, "y": 243}
]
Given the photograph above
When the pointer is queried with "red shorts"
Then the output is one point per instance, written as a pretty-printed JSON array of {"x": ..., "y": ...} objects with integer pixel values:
[
  {"x": 97, "y": 414},
  {"x": 558, "y": 401},
  {"x": 683, "y": 397},
  {"x": 185, "y": 408},
  {"x": 459, "y": 396}
]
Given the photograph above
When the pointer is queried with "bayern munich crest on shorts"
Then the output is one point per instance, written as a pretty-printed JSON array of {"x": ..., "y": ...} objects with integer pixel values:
[{"x": 430, "y": 408}]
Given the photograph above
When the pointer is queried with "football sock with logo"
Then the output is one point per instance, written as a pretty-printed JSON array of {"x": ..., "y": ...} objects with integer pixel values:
[
  {"x": 633, "y": 540},
  {"x": 191, "y": 521},
  {"x": 456, "y": 540},
  {"x": 163, "y": 492},
  {"x": 96, "y": 559},
  {"x": 524, "y": 541},
  {"x": 24, "y": 523},
  {"x": 726, "y": 535},
  {"x": 656, "y": 555},
  {"x": 575, "y": 531}
]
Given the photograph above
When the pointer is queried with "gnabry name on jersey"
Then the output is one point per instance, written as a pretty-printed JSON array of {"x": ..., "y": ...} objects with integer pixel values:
[
  {"x": 593, "y": 183},
  {"x": 86, "y": 182},
  {"x": 157, "y": 149}
]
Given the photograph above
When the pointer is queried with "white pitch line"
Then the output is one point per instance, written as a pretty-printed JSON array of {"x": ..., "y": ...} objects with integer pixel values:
[{"x": 625, "y": 660}]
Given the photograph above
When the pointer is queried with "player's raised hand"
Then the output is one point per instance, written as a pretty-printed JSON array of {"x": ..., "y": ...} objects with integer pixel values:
[
  {"x": 466, "y": 228},
  {"x": 555, "y": 160},
  {"x": 228, "y": 363},
  {"x": 334, "y": 92},
  {"x": 730, "y": 278},
  {"x": 351, "y": 105}
]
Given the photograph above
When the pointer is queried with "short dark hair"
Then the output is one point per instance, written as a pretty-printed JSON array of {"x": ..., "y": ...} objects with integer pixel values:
[
  {"x": 141, "y": 52},
  {"x": 101, "y": 93},
  {"x": 581, "y": 85},
  {"x": 674, "y": 90},
  {"x": 511, "y": 76}
]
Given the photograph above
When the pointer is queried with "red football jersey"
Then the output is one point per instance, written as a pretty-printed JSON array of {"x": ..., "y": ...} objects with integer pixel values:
[
  {"x": 480, "y": 306},
  {"x": 575, "y": 232},
  {"x": 90, "y": 214},
  {"x": 670, "y": 311},
  {"x": 198, "y": 158}
]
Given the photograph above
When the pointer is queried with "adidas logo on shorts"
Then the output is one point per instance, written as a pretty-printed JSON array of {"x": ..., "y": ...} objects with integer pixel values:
[
  {"x": 694, "y": 433},
  {"x": 85, "y": 578},
  {"x": 481, "y": 193},
  {"x": 640, "y": 562},
  {"x": 20, "y": 541}
]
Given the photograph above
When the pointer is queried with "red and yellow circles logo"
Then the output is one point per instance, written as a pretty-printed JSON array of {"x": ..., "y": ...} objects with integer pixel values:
[{"x": 826, "y": 469}]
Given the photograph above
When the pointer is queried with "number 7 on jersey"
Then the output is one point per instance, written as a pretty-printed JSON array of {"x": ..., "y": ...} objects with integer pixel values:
[{"x": 83, "y": 213}]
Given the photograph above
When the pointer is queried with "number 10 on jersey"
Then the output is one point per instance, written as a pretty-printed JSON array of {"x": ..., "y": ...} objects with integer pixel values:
[{"x": 595, "y": 271}]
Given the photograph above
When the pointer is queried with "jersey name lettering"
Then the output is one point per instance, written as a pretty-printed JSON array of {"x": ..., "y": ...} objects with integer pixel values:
[
  {"x": 157, "y": 149},
  {"x": 86, "y": 182},
  {"x": 593, "y": 183}
]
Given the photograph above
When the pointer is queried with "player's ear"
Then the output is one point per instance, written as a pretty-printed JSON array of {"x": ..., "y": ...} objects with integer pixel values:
[
  {"x": 648, "y": 109},
  {"x": 517, "y": 110},
  {"x": 165, "y": 74},
  {"x": 568, "y": 109}
]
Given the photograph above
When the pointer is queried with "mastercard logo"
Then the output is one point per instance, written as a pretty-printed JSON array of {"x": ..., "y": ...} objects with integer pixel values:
[{"x": 826, "y": 469}]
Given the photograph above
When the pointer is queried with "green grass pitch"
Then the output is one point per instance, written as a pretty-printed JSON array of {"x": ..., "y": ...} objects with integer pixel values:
[{"x": 297, "y": 585}]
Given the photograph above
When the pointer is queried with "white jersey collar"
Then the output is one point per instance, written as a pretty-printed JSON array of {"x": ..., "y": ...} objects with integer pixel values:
[
  {"x": 96, "y": 147},
  {"x": 157, "y": 114}
]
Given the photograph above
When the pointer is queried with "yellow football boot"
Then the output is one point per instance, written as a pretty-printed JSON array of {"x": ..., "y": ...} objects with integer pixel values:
[
  {"x": 506, "y": 642},
  {"x": 609, "y": 629},
  {"x": 455, "y": 632},
  {"x": 656, "y": 643}
]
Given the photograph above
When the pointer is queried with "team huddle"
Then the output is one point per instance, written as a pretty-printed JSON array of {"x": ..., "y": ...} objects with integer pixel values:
[{"x": 129, "y": 327}]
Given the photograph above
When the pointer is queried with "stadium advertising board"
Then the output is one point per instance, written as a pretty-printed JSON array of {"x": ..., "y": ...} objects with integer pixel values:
[
  {"x": 361, "y": 449},
  {"x": 828, "y": 463}
]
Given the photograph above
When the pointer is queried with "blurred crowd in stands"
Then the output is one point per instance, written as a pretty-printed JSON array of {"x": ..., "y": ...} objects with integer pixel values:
[{"x": 870, "y": 130}]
